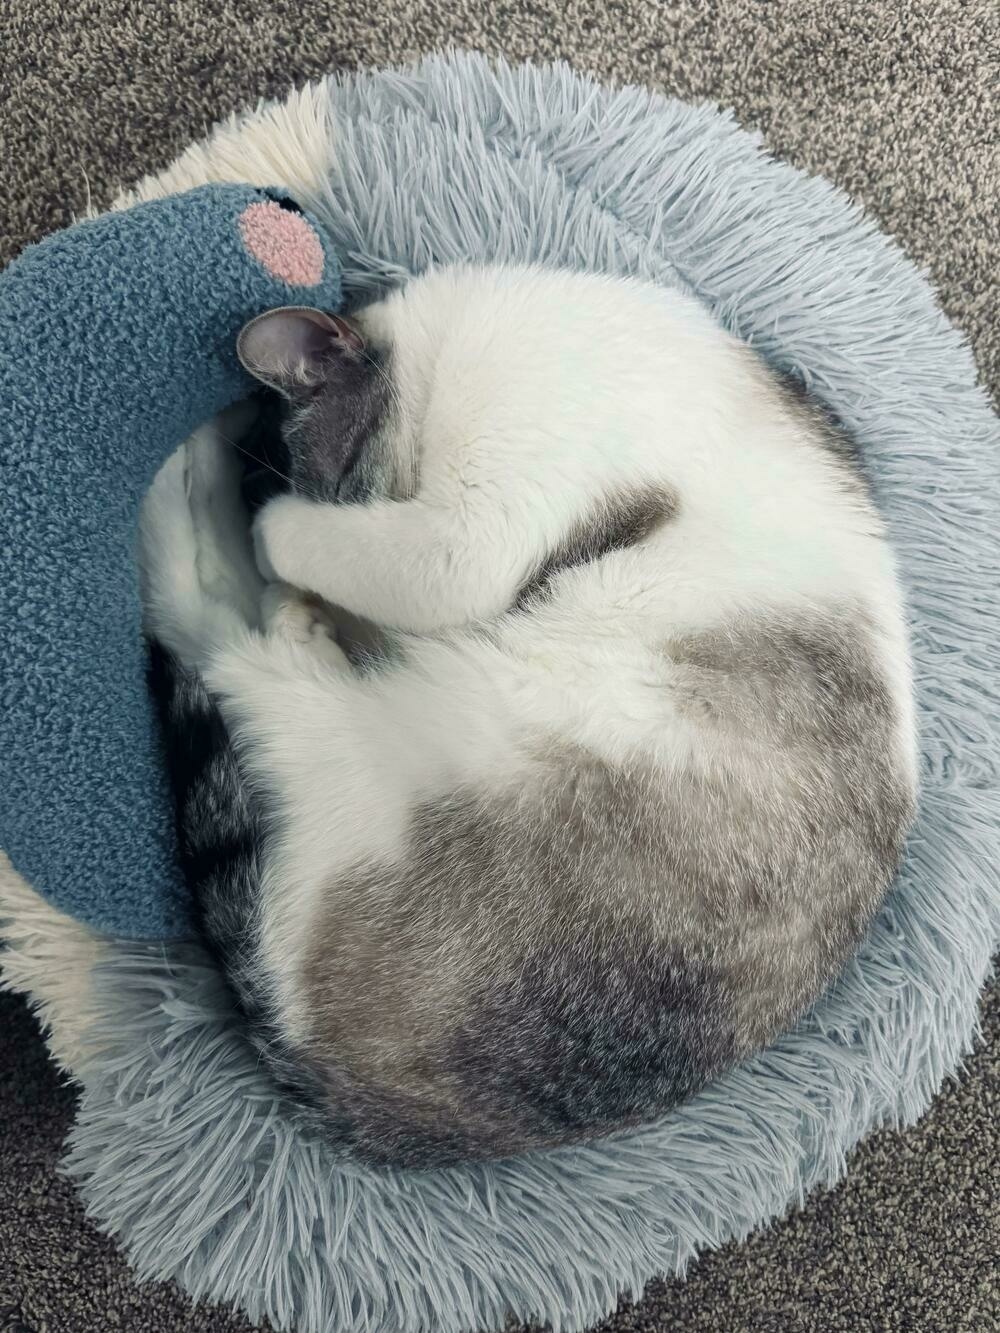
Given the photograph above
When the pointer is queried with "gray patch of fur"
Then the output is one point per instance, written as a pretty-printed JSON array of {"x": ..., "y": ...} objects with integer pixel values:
[
  {"x": 822, "y": 429},
  {"x": 586, "y": 949},
  {"x": 220, "y": 826},
  {"x": 581, "y": 950},
  {"x": 332, "y": 433},
  {"x": 621, "y": 521}
]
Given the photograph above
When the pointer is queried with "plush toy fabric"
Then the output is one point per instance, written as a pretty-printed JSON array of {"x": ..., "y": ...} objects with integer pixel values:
[{"x": 117, "y": 338}]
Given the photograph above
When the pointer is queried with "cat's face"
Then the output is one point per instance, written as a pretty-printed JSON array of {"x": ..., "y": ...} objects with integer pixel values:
[{"x": 341, "y": 433}]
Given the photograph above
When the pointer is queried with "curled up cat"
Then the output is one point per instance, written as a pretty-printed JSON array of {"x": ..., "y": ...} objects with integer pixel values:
[{"x": 547, "y": 747}]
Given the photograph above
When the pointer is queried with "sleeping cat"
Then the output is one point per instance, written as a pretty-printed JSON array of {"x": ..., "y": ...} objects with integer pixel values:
[{"x": 615, "y": 786}]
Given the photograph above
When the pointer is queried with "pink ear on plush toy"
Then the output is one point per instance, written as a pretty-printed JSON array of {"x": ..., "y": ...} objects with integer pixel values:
[{"x": 283, "y": 242}]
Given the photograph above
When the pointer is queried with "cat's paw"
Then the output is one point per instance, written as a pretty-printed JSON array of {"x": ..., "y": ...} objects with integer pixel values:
[
  {"x": 281, "y": 539},
  {"x": 226, "y": 566},
  {"x": 198, "y": 579},
  {"x": 299, "y": 618}
]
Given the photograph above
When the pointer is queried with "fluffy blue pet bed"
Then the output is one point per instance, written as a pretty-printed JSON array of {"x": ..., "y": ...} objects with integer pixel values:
[
  {"x": 117, "y": 339},
  {"x": 182, "y": 1149}
]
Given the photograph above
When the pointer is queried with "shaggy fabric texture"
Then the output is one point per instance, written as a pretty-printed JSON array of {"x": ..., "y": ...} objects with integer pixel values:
[
  {"x": 181, "y": 1148},
  {"x": 895, "y": 104},
  {"x": 117, "y": 339}
]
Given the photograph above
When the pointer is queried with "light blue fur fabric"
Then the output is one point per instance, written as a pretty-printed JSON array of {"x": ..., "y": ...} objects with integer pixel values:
[{"x": 183, "y": 1151}]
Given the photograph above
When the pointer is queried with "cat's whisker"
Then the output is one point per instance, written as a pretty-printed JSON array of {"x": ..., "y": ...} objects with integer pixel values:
[
  {"x": 386, "y": 380},
  {"x": 262, "y": 462}
]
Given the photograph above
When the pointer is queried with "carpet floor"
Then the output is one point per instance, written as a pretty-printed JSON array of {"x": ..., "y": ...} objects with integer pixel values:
[{"x": 896, "y": 102}]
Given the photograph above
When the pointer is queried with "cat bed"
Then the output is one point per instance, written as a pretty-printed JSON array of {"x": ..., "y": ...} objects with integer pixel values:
[{"x": 181, "y": 1148}]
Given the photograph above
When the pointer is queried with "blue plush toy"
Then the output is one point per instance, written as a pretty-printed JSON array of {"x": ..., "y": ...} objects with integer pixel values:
[{"x": 117, "y": 338}]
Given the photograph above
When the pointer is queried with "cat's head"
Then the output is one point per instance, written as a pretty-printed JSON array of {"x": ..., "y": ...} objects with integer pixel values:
[
  {"x": 378, "y": 401},
  {"x": 463, "y": 373},
  {"x": 340, "y": 432},
  {"x": 516, "y": 410}
]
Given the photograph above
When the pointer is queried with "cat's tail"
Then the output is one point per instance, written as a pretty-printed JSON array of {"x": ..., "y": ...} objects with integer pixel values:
[
  {"x": 220, "y": 826},
  {"x": 218, "y": 822}
]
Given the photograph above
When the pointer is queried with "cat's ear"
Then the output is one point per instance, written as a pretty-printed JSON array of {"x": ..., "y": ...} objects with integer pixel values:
[{"x": 292, "y": 348}]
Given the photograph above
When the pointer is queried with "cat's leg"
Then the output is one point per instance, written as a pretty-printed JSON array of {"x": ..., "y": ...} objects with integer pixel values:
[
  {"x": 302, "y": 619},
  {"x": 226, "y": 566},
  {"x": 311, "y": 744},
  {"x": 200, "y": 583},
  {"x": 411, "y": 566}
]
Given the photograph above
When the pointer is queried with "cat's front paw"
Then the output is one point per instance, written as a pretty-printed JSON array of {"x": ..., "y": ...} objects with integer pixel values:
[
  {"x": 226, "y": 567},
  {"x": 302, "y": 619},
  {"x": 278, "y": 531}
]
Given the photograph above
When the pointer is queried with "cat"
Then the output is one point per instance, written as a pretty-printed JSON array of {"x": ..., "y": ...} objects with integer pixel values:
[{"x": 614, "y": 786}]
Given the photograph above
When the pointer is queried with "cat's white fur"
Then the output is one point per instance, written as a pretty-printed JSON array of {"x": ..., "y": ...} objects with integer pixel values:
[{"x": 509, "y": 442}]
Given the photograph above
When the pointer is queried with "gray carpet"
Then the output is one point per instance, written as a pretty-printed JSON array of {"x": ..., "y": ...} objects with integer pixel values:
[{"x": 897, "y": 103}]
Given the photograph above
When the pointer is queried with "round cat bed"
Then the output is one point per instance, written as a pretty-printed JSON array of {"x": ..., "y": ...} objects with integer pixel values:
[{"x": 182, "y": 1150}]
